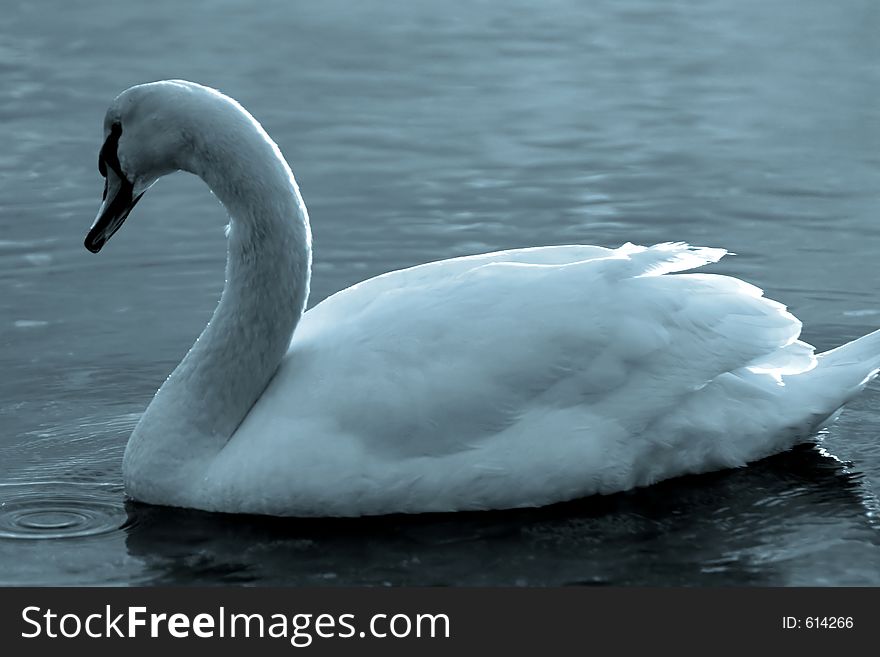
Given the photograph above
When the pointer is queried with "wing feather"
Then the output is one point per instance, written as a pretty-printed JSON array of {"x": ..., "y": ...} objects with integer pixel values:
[{"x": 457, "y": 352}]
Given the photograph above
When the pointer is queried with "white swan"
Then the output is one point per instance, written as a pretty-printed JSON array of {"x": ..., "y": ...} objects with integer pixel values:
[{"x": 509, "y": 379}]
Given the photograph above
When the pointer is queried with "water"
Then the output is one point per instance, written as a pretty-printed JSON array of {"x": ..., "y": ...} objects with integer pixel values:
[{"x": 419, "y": 131}]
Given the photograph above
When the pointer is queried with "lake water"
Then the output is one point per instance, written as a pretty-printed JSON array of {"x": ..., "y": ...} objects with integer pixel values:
[{"x": 420, "y": 131}]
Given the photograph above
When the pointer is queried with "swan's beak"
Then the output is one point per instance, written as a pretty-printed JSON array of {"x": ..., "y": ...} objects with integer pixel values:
[{"x": 119, "y": 199}]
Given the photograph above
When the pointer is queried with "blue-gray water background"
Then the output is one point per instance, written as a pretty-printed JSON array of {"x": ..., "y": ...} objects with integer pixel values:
[{"x": 419, "y": 131}]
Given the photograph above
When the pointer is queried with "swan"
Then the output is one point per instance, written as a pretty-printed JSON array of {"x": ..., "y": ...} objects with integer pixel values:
[{"x": 509, "y": 379}]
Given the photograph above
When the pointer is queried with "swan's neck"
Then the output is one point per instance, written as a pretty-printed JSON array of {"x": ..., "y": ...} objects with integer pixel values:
[{"x": 267, "y": 281}]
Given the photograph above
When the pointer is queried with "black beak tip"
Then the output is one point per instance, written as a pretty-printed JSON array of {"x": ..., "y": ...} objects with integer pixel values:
[{"x": 94, "y": 243}]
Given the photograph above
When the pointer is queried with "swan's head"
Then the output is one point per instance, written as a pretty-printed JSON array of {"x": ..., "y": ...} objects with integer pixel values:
[{"x": 149, "y": 131}]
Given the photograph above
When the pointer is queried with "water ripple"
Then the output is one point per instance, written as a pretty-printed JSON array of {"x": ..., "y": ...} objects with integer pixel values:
[{"x": 52, "y": 510}]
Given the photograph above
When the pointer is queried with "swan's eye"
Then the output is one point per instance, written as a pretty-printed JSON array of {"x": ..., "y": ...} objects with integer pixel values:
[{"x": 108, "y": 155}]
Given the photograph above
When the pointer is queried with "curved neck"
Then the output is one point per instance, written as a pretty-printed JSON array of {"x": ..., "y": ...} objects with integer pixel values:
[{"x": 267, "y": 283}]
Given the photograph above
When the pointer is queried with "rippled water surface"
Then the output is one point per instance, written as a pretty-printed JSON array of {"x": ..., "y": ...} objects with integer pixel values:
[{"x": 418, "y": 131}]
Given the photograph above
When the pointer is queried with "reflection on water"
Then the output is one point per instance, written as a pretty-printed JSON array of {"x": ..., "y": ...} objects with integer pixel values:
[{"x": 433, "y": 133}]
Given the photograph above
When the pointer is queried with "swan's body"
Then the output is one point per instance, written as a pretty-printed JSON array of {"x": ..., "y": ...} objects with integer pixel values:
[{"x": 509, "y": 379}]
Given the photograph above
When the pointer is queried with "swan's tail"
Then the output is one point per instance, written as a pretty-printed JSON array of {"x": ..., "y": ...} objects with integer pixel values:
[
  {"x": 861, "y": 355},
  {"x": 817, "y": 396},
  {"x": 842, "y": 373}
]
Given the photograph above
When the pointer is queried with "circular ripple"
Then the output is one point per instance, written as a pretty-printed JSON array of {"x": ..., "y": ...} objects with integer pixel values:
[{"x": 40, "y": 511}]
